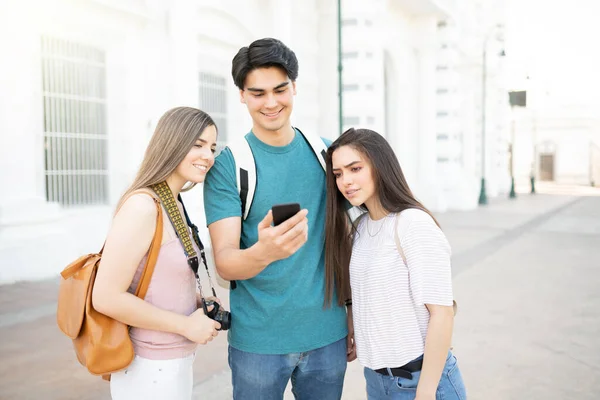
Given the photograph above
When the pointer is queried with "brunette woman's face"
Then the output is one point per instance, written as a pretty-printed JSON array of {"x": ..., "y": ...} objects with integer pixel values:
[
  {"x": 354, "y": 176},
  {"x": 200, "y": 158}
]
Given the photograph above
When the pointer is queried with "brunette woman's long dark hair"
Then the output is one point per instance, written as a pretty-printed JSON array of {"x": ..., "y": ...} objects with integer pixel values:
[{"x": 394, "y": 196}]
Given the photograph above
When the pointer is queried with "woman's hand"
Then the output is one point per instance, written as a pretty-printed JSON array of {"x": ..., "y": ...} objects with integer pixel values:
[
  {"x": 199, "y": 328},
  {"x": 425, "y": 397},
  {"x": 350, "y": 344},
  {"x": 213, "y": 298}
]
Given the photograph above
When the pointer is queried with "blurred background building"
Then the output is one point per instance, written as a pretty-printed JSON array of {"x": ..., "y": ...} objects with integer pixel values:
[{"x": 84, "y": 82}]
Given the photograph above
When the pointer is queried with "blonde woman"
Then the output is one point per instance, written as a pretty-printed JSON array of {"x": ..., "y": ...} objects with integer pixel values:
[{"x": 167, "y": 326}]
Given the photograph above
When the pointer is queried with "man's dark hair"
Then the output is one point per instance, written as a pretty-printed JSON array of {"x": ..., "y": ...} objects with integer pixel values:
[{"x": 263, "y": 53}]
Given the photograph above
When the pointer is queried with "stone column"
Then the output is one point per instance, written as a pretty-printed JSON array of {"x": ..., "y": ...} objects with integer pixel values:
[{"x": 427, "y": 188}]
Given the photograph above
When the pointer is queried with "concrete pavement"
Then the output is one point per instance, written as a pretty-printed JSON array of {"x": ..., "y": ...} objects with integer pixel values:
[{"x": 526, "y": 276}]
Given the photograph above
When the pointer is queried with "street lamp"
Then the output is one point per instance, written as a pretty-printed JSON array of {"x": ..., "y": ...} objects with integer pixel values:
[
  {"x": 339, "y": 67},
  {"x": 516, "y": 99},
  {"x": 482, "y": 193}
]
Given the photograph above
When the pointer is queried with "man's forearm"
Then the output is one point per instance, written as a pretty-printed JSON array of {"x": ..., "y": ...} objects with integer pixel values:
[{"x": 236, "y": 264}]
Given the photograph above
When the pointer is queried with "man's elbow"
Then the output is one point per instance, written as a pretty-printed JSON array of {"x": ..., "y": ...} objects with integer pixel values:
[{"x": 225, "y": 272}]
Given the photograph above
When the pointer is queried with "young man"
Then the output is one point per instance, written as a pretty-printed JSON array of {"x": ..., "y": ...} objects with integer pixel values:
[{"x": 280, "y": 327}]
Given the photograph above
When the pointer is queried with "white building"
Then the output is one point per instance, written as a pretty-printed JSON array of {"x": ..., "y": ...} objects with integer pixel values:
[
  {"x": 83, "y": 83},
  {"x": 557, "y": 143},
  {"x": 413, "y": 71},
  {"x": 470, "y": 60}
]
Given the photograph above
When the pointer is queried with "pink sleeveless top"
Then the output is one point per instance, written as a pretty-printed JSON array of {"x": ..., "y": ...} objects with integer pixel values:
[{"x": 172, "y": 288}]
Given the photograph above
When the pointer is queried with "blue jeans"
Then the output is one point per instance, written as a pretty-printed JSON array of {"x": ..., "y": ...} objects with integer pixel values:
[
  {"x": 316, "y": 375},
  {"x": 451, "y": 386}
]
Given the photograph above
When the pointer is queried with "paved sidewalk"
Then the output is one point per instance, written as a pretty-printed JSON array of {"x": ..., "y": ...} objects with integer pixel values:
[{"x": 525, "y": 277}]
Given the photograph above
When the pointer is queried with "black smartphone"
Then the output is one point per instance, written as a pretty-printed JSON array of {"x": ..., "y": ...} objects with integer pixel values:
[{"x": 281, "y": 212}]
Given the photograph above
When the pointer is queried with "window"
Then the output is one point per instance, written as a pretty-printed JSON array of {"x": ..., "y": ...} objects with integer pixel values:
[
  {"x": 350, "y": 87},
  {"x": 213, "y": 100},
  {"x": 75, "y": 133},
  {"x": 349, "y": 54},
  {"x": 351, "y": 121}
]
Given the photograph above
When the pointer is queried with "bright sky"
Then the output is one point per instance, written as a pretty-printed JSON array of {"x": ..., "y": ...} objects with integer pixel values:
[{"x": 556, "y": 43}]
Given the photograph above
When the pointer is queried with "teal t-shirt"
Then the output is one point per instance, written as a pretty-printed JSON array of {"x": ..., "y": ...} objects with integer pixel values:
[{"x": 280, "y": 310}]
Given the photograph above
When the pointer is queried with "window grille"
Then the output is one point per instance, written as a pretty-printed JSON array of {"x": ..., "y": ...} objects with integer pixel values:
[
  {"x": 213, "y": 100},
  {"x": 75, "y": 133}
]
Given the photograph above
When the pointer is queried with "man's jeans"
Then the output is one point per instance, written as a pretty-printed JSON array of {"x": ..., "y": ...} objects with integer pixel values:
[
  {"x": 316, "y": 375},
  {"x": 451, "y": 386}
]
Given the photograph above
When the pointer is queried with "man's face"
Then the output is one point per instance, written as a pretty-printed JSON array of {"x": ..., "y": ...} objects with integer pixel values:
[{"x": 269, "y": 95}]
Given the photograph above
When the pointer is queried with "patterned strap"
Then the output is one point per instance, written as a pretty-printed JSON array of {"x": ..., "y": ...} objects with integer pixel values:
[{"x": 168, "y": 200}]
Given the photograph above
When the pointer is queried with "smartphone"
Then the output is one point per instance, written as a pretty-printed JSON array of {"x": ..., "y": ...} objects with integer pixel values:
[{"x": 282, "y": 212}]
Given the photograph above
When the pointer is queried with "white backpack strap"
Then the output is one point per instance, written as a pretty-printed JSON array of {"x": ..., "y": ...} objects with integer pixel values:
[
  {"x": 397, "y": 239},
  {"x": 245, "y": 173},
  {"x": 318, "y": 147}
]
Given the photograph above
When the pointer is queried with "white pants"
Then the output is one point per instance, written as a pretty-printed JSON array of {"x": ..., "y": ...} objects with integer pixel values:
[{"x": 154, "y": 379}]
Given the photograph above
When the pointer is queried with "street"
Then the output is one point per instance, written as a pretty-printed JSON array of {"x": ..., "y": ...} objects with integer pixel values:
[{"x": 526, "y": 277}]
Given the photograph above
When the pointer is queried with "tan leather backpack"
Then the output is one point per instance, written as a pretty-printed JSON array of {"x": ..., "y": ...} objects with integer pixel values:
[{"x": 102, "y": 344}]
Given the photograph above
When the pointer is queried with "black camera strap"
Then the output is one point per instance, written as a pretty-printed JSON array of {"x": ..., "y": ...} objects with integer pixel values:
[{"x": 168, "y": 200}]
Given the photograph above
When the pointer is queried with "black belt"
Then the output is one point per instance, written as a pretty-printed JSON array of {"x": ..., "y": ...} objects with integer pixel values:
[{"x": 404, "y": 371}]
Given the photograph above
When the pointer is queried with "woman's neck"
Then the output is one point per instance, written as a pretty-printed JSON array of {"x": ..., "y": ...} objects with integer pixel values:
[
  {"x": 376, "y": 210},
  {"x": 175, "y": 184}
]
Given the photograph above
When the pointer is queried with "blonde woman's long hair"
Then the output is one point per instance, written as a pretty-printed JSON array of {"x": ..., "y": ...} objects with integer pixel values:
[{"x": 175, "y": 134}]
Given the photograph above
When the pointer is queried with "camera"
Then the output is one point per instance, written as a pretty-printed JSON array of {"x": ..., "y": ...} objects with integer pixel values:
[{"x": 221, "y": 316}]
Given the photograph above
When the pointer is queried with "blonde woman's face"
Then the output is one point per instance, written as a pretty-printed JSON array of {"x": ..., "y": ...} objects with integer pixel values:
[{"x": 200, "y": 158}]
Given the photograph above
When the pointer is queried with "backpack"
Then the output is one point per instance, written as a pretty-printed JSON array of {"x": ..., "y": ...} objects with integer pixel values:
[
  {"x": 102, "y": 344},
  {"x": 246, "y": 176}
]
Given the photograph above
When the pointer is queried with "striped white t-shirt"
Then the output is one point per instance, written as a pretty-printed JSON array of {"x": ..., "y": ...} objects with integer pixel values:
[{"x": 388, "y": 296}]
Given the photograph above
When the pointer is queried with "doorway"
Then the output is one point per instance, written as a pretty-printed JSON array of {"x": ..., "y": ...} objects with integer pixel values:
[{"x": 547, "y": 167}]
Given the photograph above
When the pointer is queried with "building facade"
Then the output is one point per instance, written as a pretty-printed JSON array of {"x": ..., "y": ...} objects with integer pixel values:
[{"x": 84, "y": 82}]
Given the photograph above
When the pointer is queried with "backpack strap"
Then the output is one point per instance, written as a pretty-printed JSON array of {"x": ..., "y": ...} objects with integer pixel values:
[
  {"x": 245, "y": 173},
  {"x": 144, "y": 283},
  {"x": 142, "y": 288},
  {"x": 397, "y": 239},
  {"x": 246, "y": 176},
  {"x": 318, "y": 147},
  {"x": 399, "y": 248}
]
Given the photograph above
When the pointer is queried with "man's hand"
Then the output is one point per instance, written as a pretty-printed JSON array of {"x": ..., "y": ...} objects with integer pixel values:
[
  {"x": 279, "y": 242},
  {"x": 350, "y": 344}
]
